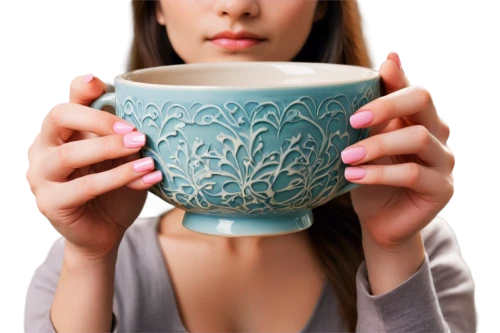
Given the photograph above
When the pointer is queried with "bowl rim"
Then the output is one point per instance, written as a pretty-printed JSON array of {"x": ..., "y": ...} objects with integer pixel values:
[{"x": 124, "y": 78}]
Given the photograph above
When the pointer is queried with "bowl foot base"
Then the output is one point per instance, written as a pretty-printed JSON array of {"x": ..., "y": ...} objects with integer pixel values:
[{"x": 250, "y": 225}]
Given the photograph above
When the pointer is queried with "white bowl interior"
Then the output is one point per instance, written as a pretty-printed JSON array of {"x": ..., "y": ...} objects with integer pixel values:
[{"x": 253, "y": 74}]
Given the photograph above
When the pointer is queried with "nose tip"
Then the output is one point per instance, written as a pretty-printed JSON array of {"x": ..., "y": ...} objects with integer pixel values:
[{"x": 238, "y": 8}]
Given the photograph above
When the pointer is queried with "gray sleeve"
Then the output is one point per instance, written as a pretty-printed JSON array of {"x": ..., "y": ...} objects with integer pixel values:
[
  {"x": 439, "y": 297},
  {"x": 41, "y": 293}
]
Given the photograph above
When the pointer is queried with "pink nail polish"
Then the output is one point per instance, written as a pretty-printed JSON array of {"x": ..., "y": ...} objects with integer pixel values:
[
  {"x": 361, "y": 119},
  {"x": 350, "y": 155},
  {"x": 396, "y": 59},
  {"x": 88, "y": 77},
  {"x": 144, "y": 164},
  {"x": 134, "y": 139},
  {"x": 354, "y": 173},
  {"x": 121, "y": 127},
  {"x": 152, "y": 177}
]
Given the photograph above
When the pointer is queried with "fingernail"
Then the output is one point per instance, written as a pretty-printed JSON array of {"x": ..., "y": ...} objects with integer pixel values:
[
  {"x": 121, "y": 127},
  {"x": 361, "y": 119},
  {"x": 88, "y": 77},
  {"x": 354, "y": 173},
  {"x": 394, "y": 56},
  {"x": 144, "y": 164},
  {"x": 152, "y": 177},
  {"x": 134, "y": 139},
  {"x": 350, "y": 155}
]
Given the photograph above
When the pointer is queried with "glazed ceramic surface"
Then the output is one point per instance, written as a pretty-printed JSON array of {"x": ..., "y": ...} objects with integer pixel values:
[{"x": 246, "y": 148}]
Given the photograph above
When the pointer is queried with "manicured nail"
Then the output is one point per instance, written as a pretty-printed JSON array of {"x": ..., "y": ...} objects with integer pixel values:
[
  {"x": 121, "y": 127},
  {"x": 397, "y": 60},
  {"x": 361, "y": 119},
  {"x": 394, "y": 56},
  {"x": 88, "y": 77},
  {"x": 144, "y": 164},
  {"x": 153, "y": 177},
  {"x": 354, "y": 173},
  {"x": 350, "y": 155},
  {"x": 134, "y": 139}
]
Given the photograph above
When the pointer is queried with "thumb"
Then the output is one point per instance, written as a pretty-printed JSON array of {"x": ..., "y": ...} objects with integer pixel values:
[
  {"x": 85, "y": 89},
  {"x": 391, "y": 74}
]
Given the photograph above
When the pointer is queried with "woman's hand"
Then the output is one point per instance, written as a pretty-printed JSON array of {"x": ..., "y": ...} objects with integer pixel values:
[
  {"x": 84, "y": 174},
  {"x": 408, "y": 165}
]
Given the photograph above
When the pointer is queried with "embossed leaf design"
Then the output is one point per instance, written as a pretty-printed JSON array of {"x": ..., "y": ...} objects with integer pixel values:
[{"x": 252, "y": 158}]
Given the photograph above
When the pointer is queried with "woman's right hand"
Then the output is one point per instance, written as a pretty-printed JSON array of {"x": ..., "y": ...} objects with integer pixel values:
[{"x": 86, "y": 173}]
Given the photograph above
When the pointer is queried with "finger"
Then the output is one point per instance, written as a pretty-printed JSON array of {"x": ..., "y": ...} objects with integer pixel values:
[
  {"x": 77, "y": 135},
  {"x": 64, "y": 159},
  {"x": 82, "y": 89},
  {"x": 141, "y": 184},
  {"x": 415, "y": 103},
  {"x": 404, "y": 141},
  {"x": 85, "y": 89},
  {"x": 137, "y": 184},
  {"x": 417, "y": 177},
  {"x": 392, "y": 76},
  {"x": 80, "y": 190},
  {"x": 392, "y": 79},
  {"x": 66, "y": 118}
]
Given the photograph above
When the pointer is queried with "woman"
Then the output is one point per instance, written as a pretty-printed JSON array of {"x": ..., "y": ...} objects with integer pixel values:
[{"x": 389, "y": 263}]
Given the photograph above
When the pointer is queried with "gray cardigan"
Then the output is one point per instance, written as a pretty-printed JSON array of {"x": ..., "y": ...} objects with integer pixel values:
[{"x": 439, "y": 297}]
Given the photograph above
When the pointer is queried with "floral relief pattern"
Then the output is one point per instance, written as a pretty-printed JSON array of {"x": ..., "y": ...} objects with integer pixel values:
[{"x": 258, "y": 158}]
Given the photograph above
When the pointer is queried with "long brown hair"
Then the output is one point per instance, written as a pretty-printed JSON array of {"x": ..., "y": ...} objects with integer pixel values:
[{"x": 335, "y": 38}]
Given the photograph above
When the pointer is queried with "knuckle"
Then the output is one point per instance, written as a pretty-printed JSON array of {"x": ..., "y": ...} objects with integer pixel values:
[
  {"x": 445, "y": 130},
  {"x": 451, "y": 184},
  {"x": 28, "y": 158},
  {"x": 414, "y": 173},
  {"x": 110, "y": 145},
  {"x": 97, "y": 118},
  {"x": 378, "y": 174},
  {"x": 63, "y": 155},
  {"x": 380, "y": 147},
  {"x": 30, "y": 152},
  {"x": 43, "y": 204},
  {"x": 424, "y": 95},
  {"x": 388, "y": 107},
  {"x": 57, "y": 112},
  {"x": 423, "y": 136},
  {"x": 449, "y": 188},
  {"x": 123, "y": 174},
  {"x": 451, "y": 158},
  {"x": 30, "y": 177},
  {"x": 89, "y": 186}
]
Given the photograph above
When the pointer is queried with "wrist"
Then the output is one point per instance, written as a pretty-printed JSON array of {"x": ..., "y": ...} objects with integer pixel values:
[
  {"x": 77, "y": 258},
  {"x": 402, "y": 248},
  {"x": 390, "y": 267},
  {"x": 83, "y": 300}
]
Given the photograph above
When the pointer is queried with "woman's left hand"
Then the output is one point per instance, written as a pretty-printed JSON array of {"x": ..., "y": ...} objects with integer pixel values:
[{"x": 408, "y": 165}]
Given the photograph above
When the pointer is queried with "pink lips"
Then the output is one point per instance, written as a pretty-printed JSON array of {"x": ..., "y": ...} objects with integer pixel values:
[{"x": 236, "y": 40}]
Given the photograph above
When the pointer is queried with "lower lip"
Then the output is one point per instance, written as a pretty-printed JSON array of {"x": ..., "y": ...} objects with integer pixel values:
[{"x": 236, "y": 44}]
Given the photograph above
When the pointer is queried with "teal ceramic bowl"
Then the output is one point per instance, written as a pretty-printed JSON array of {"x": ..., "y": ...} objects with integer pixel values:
[{"x": 246, "y": 148}]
